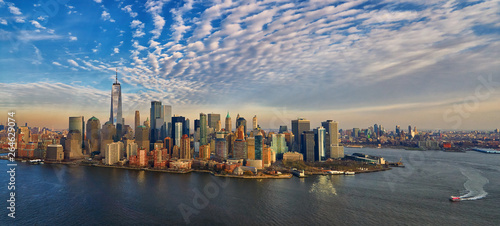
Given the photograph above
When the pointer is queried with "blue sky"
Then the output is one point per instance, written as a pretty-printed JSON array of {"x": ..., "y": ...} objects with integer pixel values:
[{"x": 360, "y": 62}]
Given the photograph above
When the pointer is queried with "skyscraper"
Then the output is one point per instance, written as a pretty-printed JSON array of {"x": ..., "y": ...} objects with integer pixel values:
[
  {"x": 137, "y": 120},
  {"x": 283, "y": 129},
  {"x": 212, "y": 120},
  {"x": 254, "y": 122},
  {"x": 175, "y": 137},
  {"x": 242, "y": 122},
  {"x": 116, "y": 106},
  {"x": 185, "y": 151},
  {"x": 258, "y": 146},
  {"x": 92, "y": 140},
  {"x": 203, "y": 129},
  {"x": 78, "y": 123},
  {"x": 336, "y": 150},
  {"x": 319, "y": 149},
  {"x": 142, "y": 137},
  {"x": 228, "y": 123},
  {"x": 307, "y": 145},
  {"x": 298, "y": 126}
]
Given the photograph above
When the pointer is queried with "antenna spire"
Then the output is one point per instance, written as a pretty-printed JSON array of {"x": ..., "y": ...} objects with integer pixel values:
[{"x": 116, "y": 75}]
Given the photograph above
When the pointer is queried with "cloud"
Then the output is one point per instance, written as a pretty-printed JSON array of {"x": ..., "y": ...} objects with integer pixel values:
[
  {"x": 36, "y": 24},
  {"x": 106, "y": 16},
  {"x": 3, "y": 21},
  {"x": 56, "y": 63},
  {"x": 116, "y": 50},
  {"x": 73, "y": 63},
  {"x": 128, "y": 9},
  {"x": 14, "y": 10},
  {"x": 159, "y": 22},
  {"x": 139, "y": 26},
  {"x": 73, "y": 38},
  {"x": 20, "y": 19},
  {"x": 98, "y": 1}
]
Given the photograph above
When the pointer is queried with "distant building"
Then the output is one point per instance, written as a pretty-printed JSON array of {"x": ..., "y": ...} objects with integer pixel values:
[
  {"x": 254, "y": 122},
  {"x": 137, "y": 121},
  {"x": 293, "y": 156},
  {"x": 77, "y": 123},
  {"x": 242, "y": 122},
  {"x": 228, "y": 123},
  {"x": 115, "y": 116},
  {"x": 142, "y": 138},
  {"x": 251, "y": 148},
  {"x": 259, "y": 144},
  {"x": 240, "y": 149},
  {"x": 298, "y": 127},
  {"x": 73, "y": 146},
  {"x": 307, "y": 144},
  {"x": 131, "y": 149},
  {"x": 92, "y": 140},
  {"x": 221, "y": 148},
  {"x": 266, "y": 156},
  {"x": 185, "y": 152},
  {"x": 283, "y": 129},
  {"x": 205, "y": 152},
  {"x": 203, "y": 129},
  {"x": 113, "y": 153},
  {"x": 320, "y": 148},
  {"x": 213, "y": 120},
  {"x": 55, "y": 152}
]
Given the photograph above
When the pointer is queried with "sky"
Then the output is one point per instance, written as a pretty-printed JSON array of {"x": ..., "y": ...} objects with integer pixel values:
[{"x": 431, "y": 64}]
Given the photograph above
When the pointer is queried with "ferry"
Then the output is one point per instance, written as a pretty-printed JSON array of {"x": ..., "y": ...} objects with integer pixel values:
[
  {"x": 299, "y": 173},
  {"x": 36, "y": 161},
  {"x": 334, "y": 172},
  {"x": 349, "y": 173},
  {"x": 455, "y": 199}
]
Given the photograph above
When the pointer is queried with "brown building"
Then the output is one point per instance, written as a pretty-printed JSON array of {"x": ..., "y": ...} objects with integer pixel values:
[{"x": 55, "y": 152}]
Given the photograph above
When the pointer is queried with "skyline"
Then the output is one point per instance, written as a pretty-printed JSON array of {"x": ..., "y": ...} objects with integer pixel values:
[{"x": 358, "y": 62}]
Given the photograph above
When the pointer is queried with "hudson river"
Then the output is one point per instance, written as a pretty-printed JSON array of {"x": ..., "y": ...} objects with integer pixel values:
[{"x": 415, "y": 195}]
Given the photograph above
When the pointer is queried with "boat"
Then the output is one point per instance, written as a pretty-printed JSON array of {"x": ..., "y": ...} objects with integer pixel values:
[
  {"x": 455, "y": 199},
  {"x": 335, "y": 172},
  {"x": 299, "y": 173},
  {"x": 349, "y": 173},
  {"x": 36, "y": 161}
]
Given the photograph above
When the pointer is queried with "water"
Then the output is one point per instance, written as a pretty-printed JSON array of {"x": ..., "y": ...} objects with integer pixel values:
[{"x": 415, "y": 195}]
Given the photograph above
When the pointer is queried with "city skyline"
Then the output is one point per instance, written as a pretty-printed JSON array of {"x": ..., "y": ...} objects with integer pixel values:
[{"x": 430, "y": 64}]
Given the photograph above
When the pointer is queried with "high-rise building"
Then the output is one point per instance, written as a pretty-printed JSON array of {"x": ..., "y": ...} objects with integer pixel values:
[
  {"x": 251, "y": 148},
  {"x": 175, "y": 137},
  {"x": 142, "y": 138},
  {"x": 259, "y": 144},
  {"x": 92, "y": 140},
  {"x": 336, "y": 150},
  {"x": 203, "y": 129},
  {"x": 185, "y": 127},
  {"x": 320, "y": 148},
  {"x": 196, "y": 124},
  {"x": 77, "y": 123},
  {"x": 131, "y": 149},
  {"x": 108, "y": 132},
  {"x": 220, "y": 148},
  {"x": 177, "y": 133},
  {"x": 283, "y": 129},
  {"x": 398, "y": 130},
  {"x": 115, "y": 116},
  {"x": 55, "y": 152},
  {"x": 376, "y": 130},
  {"x": 355, "y": 132},
  {"x": 137, "y": 121},
  {"x": 307, "y": 145},
  {"x": 242, "y": 122},
  {"x": 185, "y": 151},
  {"x": 161, "y": 116},
  {"x": 113, "y": 153},
  {"x": 298, "y": 127},
  {"x": 254, "y": 122},
  {"x": 228, "y": 123},
  {"x": 73, "y": 145},
  {"x": 205, "y": 152},
  {"x": 212, "y": 120}
]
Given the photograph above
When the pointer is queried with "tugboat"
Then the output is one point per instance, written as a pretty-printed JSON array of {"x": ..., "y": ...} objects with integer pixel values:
[
  {"x": 455, "y": 199},
  {"x": 299, "y": 173}
]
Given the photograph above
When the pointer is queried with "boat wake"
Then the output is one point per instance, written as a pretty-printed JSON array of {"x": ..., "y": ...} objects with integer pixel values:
[{"x": 474, "y": 185}]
